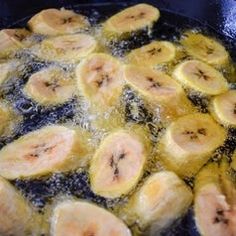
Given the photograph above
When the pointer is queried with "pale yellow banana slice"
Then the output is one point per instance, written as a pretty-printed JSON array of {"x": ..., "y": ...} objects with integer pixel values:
[
  {"x": 158, "y": 89},
  {"x": 201, "y": 77},
  {"x": 100, "y": 79},
  {"x": 49, "y": 149},
  {"x": 57, "y": 22},
  {"x": 6, "y": 69},
  {"x": 152, "y": 54},
  {"x": 154, "y": 85},
  {"x": 162, "y": 199},
  {"x": 67, "y": 48},
  {"x": 189, "y": 142},
  {"x": 215, "y": 204},
  {"x": 131, "y": 19},
  {"x": 6, "y": 117},
  {"x": 223, "y": 108},
  {"x": 205, "y": 49},
  {"x": 15, "y": 213},
  {"x": 11, "y": 40},
  {"x": 80, "y": 218},
  {"x": 118, "y": 164},
  {"x": 50, "y": 86}
]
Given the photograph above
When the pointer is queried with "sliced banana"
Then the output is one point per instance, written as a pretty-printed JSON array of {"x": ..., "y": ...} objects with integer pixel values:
[
  {"x": 131, "y": 19},
  {"x": 100, "y": 79},
  {"x": 67, "y": 48},
  {"x": 157, "y": 88},
  {"x": 15, "y": 213},
  {"x": 233, "y": 163},
  {"x": 6, "y": 117},
  {"x": 223, "y": 108},
  {"x": 11, "y": 40},
  {"x": 49, "y": 149},
  {"x": 200, "y": 77},
  {"x": 57, "y": 22},
  {"x": 118, "y": 164},
  {"x": 50, "y": 86},
  {"x": 205, "y": 49},
  {"x": 189, "y": 142},
  {"x": 163, "y": 198},
  {"x": 81, "y": 218},
  {"x": 152, "y": 54},
  {"x": 215, "y": 204}
]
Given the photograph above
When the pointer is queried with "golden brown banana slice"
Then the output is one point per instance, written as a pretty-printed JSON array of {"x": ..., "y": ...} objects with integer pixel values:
[
  {"x": 152, "y": 54},
  {"x": 201, "y": 77},
  {"x": 50, "y": 86},
  {"x": 205, "y": 49},
  {"x": 15, "y": 213},
  {"x": 81, "y": 218},
  {"x": 118, "y": 164},
  {"x": 223, "y": 108},
  {"x": 49, "y": 149},
  {"x": 67, "y": 48},
  {"x": 189, "y": 142},
  {"x": 162, "y": 199},
  {"x": 100, "y": 79},
  {"x": 215, "y": 204},
  {"x": 57, "y": 22},
  {"x": 11, "y": 40},
  {"x": 131, "y": 19}
]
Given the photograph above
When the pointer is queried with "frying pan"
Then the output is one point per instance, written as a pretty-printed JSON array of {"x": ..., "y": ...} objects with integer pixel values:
[{"x": 214, "y": 17}]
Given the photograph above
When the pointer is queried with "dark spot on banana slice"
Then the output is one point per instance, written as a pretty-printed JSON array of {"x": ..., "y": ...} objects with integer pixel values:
[
  {"x": 195, "y": 135},
  {"x": 114, "y": 162},
  {"x": 154, "y": 51},
  {"x": 220, "y": 217},
  {"x": 105, "y": 79},
  {"x": 19, "y": 36},
  {"x": 209, "y": 50},
  {"x": 234, "y": 111},
  {"x": 136, "y": 17},
  {"x": 52, "y": 85},
  {"x": 38, "y": 150},
  {"x": 202, "y": 75},
  {"x": 154, "y": 84},
  {"x": 67, "y": 20}
]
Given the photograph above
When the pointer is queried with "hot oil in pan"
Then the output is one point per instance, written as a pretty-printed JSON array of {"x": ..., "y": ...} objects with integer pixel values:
[{"x": 63, "y": 185}]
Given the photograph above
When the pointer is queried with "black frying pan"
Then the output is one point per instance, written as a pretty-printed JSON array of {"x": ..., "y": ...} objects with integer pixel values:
[{"x": 216, "y": 18}]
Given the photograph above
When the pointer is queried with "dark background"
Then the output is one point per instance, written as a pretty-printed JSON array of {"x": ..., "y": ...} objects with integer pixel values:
[{"x": 220, "y": 14}]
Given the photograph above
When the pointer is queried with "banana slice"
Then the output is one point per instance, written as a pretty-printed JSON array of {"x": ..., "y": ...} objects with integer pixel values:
[
  {"x": 131, "y": 19},
  {"x": 15, "y": 212},
  {"x": 100, "y": 79},
  {"x": 188, "y": 143},
  {"x": 205, "y": 49},
  {"x": 50, "y": 86},
  {"x": 6, "y": 69},
  {"x": 163, "y": 198},
  {"x": 11, "y": 40},
  {"x": 233, "y": 163},
  {"x": 215, "y": 204},
  {"x": 57, "y": 22},
  {"x": 152, "y": 54},
  {"x": 157, "y": 88},
  {"x": 201, "y": 77},
  {"x": 67, "y": 48},
  {"x": 118, "y": 164},
  {"x": 6, "y": 117},
  {"x": 49, "y": 149},
  {"x": 81, "y": 218},
  {"x": 224, "y": 108}
]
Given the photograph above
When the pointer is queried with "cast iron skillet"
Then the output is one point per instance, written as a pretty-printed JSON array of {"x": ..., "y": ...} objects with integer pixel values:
[{"x": 220, "y": 24}]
